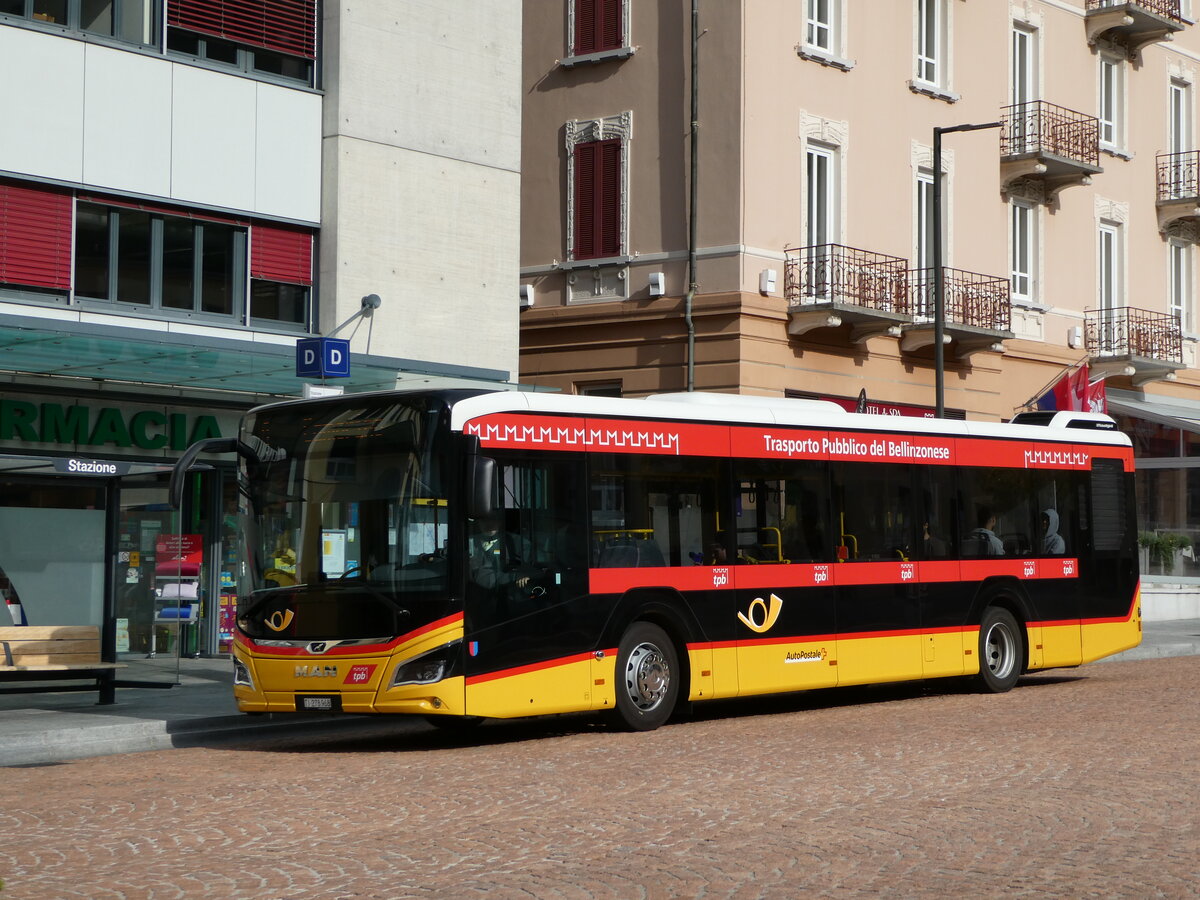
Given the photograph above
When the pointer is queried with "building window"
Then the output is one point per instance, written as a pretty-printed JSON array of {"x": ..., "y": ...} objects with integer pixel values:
[
  {"x": 598, "y": 186},
  {"x": 1111, "y": 94},
  {"x": 1180, "y": 138},
  {"x": 599, "y": 27},
  {"x": 598, "y": 389},
  {"x": 923, "y": 300},
  {"x": 132, "y": 21},
  {"x": 820, "y": 185},
  {"x": 185, "y": 265},
  {"x": 820, "y": 25},
  {"x": 930, "y": 41},
  {"x": 1179, "y": 302},
  {"x": 1024, "y": 64},
  {"x": 1023, "y": 220},
  {"x": 272, "y": 39},
  {"x": 35, "y": 239},
  {"x": 1109, "y": 258}
]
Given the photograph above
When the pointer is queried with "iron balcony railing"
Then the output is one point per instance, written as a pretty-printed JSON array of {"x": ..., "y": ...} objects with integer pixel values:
[
  {"x": 1038, "y": 127},
  {"x": 1168, "y": 9},
  {"x": 971, "y": 299},
  {"x": 831, "y": 273},
  {"x": 1128, "y": 331},
  {"x": 1179, "y": 175}
]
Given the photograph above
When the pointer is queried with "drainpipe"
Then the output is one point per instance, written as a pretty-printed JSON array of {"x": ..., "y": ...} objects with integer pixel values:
[{"x": 691, "y": 291}]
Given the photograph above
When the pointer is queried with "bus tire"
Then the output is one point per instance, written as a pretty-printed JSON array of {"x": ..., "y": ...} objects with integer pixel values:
[
  {"x": 648, "y": 676},
  {"x": 1000, "y": 650}
]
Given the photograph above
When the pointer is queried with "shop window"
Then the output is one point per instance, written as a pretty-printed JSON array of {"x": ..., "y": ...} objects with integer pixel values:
[{"x": 130, "y": 21}]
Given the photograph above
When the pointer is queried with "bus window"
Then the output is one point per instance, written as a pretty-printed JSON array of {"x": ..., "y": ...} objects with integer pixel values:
[
  {"x": 1000, "y": 511},
  {"x": 783, "y": 511},
  {"x": 939, "y": 524},
  {"x": 651, "y": 510},
  {"x": 874, "y": 511}
]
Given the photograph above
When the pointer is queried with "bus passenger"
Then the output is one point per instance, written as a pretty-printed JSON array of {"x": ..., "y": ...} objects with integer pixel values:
[
  {"x": 985, "y": 532},
  {"x": 1052, "y": 542}
]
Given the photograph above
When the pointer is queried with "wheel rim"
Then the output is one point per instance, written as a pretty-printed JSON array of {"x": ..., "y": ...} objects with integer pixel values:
[
  {"x": 647, "y": 676},
  {"x": 1000, "y": 645}
]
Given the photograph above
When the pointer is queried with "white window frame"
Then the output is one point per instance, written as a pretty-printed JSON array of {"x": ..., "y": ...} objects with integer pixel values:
[
  {"x": 931, "y": 26},
  {"x": 1111, "y": 102},
  {"x": 626, "y": 49},
  {"x": 1180, "y": 284},
  {"x": 825, "y": 34},
  {"x": 923, "y": 235},
  {"x": 1024, "y": 85},
  {"x": 1023, "y": 235},
  {"x": 1109, "y": 267},
  {"x": 821, "y": 208},
  {"x": 1179, "y": 120}
]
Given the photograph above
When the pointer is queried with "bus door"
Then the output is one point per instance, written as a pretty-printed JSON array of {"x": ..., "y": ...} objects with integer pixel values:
[
  {"x": 878, "y": 609},
  {"x": 780, "y": 549},
  {"x": 530, "y": 627}
]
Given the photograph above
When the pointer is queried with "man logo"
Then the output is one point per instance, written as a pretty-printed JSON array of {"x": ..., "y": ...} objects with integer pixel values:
[
  {"x": 770, "y": 615},
  {"x": 280, "y": 619}
]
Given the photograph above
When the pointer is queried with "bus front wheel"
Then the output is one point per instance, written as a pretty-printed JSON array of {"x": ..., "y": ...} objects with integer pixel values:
[
  {"x": 1000, "y": 648},
  {"x": 648, "y": 675}
]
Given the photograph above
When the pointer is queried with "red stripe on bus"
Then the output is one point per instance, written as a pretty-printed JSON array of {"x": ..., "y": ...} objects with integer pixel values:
[
  {"x": 777, "y": 577},
  {"x": 535, "y": 431},
  {"x": 533, "y": 667},
  {"x": 354, "y": 649}
]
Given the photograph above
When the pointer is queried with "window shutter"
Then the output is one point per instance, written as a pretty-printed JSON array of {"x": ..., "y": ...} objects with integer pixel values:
[
  {"x": 610, "y": 199},
  {"x": 35, "y": 236},
  {"x": 288, "y": 26},
  {"x": 585, "y": 201},
  {"x": 598, "y": 26},
  {"x": 278, "y": 253},
  {"x": 597, "y": 199}
]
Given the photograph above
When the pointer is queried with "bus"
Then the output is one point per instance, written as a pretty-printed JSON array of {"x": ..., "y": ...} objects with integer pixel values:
[{"x": 470, "y": 554}]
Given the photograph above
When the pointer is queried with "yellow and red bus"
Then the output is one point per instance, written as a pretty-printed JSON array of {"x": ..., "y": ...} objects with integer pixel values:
[{"x": 464, "y": 555}]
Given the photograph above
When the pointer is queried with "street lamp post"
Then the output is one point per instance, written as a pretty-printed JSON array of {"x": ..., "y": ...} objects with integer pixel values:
[{"x": 939, "y": 278}]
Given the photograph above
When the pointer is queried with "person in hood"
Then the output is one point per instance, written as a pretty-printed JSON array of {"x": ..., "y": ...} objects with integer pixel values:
[{"x": 1052, "y": 542}]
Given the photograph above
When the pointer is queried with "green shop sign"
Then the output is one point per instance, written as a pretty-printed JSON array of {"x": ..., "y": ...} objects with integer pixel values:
[{"x": 106, "y": 426}]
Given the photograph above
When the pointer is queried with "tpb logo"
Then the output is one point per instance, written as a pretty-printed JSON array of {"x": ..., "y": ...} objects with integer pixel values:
[
  {"x": 359, "y": 675},
  {"x": 820, "y": 574},
  {"x": 720, "y": 577},
  {"x": 907, "y": 572}
]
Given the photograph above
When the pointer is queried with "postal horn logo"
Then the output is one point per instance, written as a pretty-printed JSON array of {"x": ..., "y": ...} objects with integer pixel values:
[
  {"x": 769, "y": 614},
  {"x": 280, "y": 619}
]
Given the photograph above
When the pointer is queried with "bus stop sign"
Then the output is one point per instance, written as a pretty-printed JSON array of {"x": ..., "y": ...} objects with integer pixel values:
[{"x": 322, "y": 358}]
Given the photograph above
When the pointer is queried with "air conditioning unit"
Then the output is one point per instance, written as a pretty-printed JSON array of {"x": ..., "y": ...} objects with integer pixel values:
[
  {"x": 526, "y": 296},
  {"x": 766, "y": 281},
  {"x": 658, "y": 284}
]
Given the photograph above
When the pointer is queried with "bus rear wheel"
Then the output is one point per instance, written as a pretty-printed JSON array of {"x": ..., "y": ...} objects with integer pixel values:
[
  {"x": 1000, "y": 649},
  {"x": 648, "y": 675}
]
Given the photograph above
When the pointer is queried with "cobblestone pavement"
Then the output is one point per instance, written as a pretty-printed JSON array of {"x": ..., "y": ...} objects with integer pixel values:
[{"x": 1078, "y": 783}]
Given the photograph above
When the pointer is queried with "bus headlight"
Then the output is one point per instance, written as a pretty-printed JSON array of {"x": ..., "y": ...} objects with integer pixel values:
[
  {"x": 241, "y": 674},
  {"x": 426, "y": 668}
]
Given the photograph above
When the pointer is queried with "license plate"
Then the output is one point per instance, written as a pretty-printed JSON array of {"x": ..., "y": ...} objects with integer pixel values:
[{"x": 321, "y": 703}]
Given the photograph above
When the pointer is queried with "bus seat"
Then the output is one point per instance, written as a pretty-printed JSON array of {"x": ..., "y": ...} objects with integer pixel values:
[
  {"x": 630, "y": 554},
  {"x": 974, "y": 547}
]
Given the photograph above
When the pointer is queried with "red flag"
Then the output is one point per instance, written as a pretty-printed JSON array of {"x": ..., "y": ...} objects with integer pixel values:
[
  {"x": 1096, "y": 397},
  {"x": 1069, "y": 392}
]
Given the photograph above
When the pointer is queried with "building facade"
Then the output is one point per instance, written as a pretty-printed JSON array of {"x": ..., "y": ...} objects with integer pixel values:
[
  {"x": 743, "y": 197},
  {"x": 188, "y": 187}
]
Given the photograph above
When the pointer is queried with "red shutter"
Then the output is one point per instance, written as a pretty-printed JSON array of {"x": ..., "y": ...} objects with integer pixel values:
[
  {"x": 35, "y": 236},
  {"x": 597, "y": 199},
  {"x": 278, "y": 253},
  {"x": 585, "y": 200},
  {"x": 598, "y": 26},
  {"x": 289, "y": 26}
]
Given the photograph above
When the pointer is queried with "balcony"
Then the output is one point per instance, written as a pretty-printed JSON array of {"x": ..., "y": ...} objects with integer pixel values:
[
  {"x": 1178, "y": 194},
  {"x": 1144, "y": 345},
  {"x": 1050, "y": 146},
  {"x": 978, "y": 312},
  {"x": 1133, "y": 24},
  {"x": 828, "y": 285}
]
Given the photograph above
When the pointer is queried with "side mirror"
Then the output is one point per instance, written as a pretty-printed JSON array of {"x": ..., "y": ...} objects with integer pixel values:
[
  {"x": 185, "y": 463},
  {"x": 481, "y": 487}
]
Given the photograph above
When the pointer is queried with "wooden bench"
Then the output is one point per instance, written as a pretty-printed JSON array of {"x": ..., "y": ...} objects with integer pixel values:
[{"x": 56, "y": 652}]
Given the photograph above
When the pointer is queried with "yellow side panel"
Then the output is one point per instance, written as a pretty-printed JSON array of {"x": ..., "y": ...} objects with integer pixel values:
[
  {"x": 1037, "y": 649},
  {"x": 870, "y": 659},
  {"x": 446, "y": 697},
  {"x": 1060, "y": 645},
  {"x": 943, "y": 653},
  {"x": 725, "y": 672},
  {"x": 765, "y": 668},
  {"x": 604, "y": 682},
  {"x": 703, "y": 685},
  {"x": 553, "y": 689},
  {"x": 1101, "y": 639}
]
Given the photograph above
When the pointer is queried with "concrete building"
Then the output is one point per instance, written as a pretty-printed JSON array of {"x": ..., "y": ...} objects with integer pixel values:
[
  {"x": 806, "y": 227},
  {"x": 188, "y": 187}
]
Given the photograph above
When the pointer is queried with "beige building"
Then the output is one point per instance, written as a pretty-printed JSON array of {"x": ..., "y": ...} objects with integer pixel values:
[{"x": 1069, "y": 229}]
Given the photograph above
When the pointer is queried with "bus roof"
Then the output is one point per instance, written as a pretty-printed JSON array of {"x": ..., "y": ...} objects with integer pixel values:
[{"x": 700, "y": 406}]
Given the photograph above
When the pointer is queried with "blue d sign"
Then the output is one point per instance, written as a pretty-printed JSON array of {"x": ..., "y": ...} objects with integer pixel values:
[{"x": 322, "y": 358}]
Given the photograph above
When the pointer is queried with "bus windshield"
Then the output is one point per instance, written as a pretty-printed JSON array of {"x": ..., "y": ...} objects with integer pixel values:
[{"x": 344, "y": 510}]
